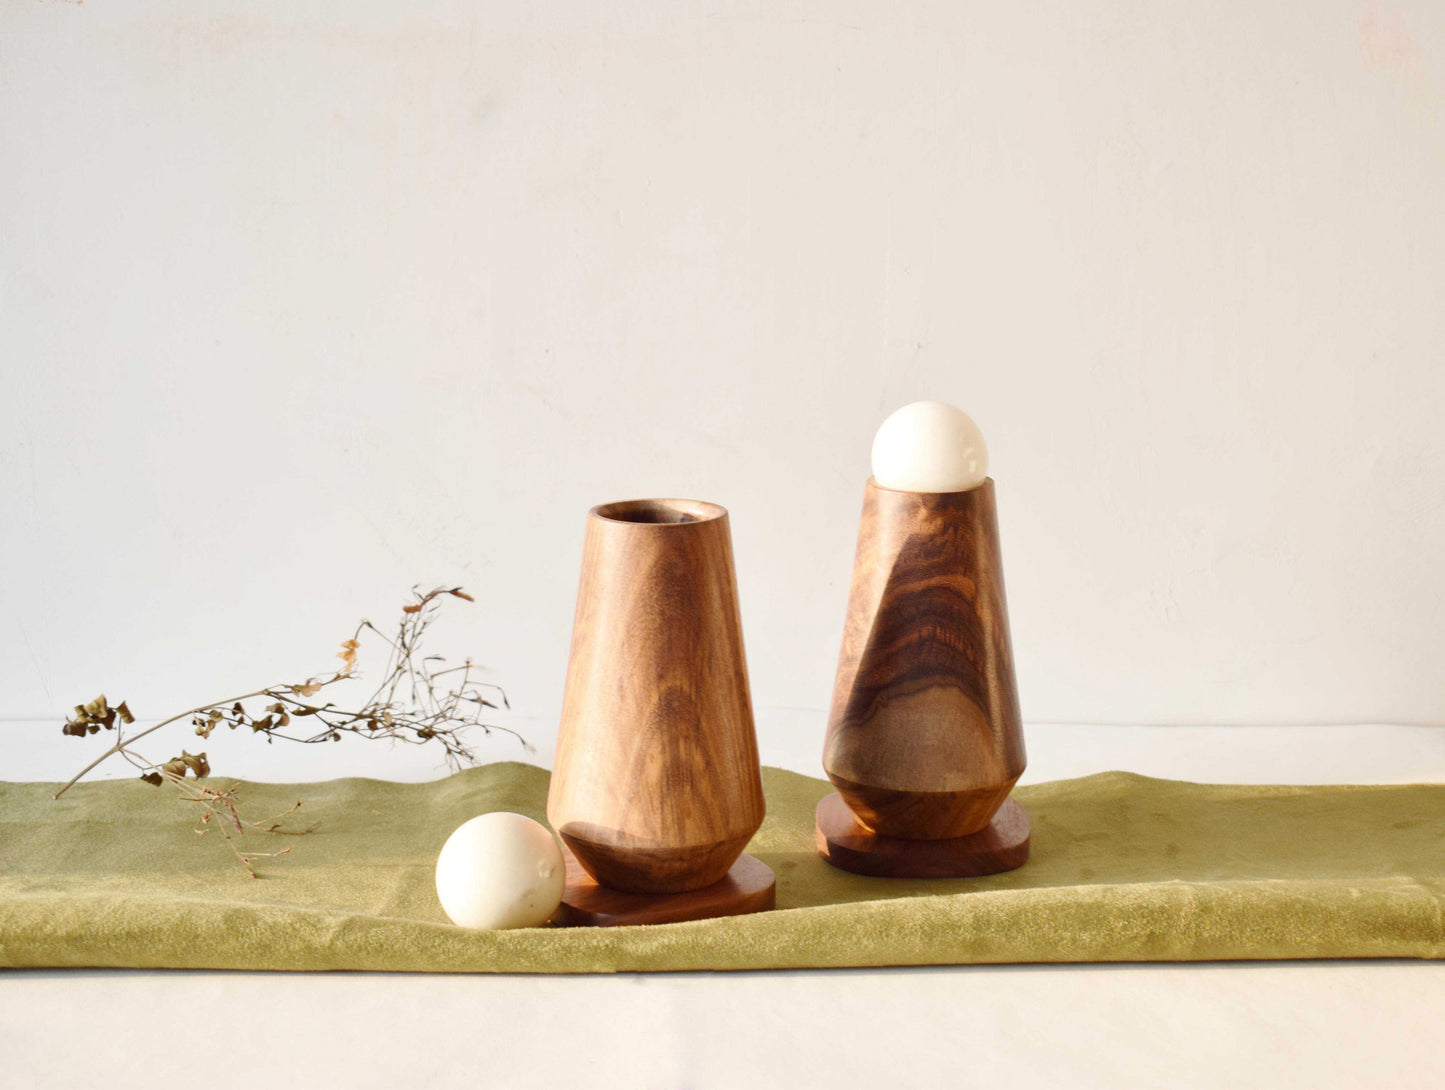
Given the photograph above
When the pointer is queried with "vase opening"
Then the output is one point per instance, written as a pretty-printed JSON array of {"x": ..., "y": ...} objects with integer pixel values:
[{"x": 659, "y": 512}]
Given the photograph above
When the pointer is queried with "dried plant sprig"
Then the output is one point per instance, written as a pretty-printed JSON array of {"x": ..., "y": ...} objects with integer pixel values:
[
  {"x": 412, "y": 704},
  {"x": 224, "y": 805}
]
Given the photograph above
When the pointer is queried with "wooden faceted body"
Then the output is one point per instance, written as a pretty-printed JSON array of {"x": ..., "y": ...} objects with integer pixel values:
[
  {"x": 656, "y": 786},
  {"x": 924, "y": 737}
]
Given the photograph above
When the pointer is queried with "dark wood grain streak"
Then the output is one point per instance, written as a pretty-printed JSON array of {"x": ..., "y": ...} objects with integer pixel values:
[
  {"x": 748, "y": 886},
  {"x": 924, "y": 734},
  {"x": 656, "y": 785},
  {"x": 1002, "y": 844}
]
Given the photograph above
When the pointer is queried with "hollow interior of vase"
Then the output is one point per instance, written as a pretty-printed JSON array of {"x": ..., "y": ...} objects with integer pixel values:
[{"x": 659, "y": 512}]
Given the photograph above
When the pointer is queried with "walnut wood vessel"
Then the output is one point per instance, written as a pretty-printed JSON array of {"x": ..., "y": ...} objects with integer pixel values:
[
  {"x": 656, "y": 786},
  {"x": 924, "y": 737}
]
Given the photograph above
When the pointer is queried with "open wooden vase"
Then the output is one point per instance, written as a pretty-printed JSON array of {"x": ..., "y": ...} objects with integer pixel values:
[
  {"x": 656, "y": 787},
  {"x": 924, "y": 738}
]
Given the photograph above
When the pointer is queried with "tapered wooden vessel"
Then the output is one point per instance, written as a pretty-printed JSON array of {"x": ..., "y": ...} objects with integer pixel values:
[
  {"x": 924, "y": 736},
  {"x": 656, "y": 786}
]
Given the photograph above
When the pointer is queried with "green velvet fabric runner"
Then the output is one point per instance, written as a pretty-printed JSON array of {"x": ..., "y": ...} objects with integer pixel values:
[{"x": 1124, "y": 868}]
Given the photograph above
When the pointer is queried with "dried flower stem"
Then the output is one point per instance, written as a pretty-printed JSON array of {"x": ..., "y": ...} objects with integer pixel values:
[
  {"x": 122, "y": 744},
  {"x": 410, "y": 705}
]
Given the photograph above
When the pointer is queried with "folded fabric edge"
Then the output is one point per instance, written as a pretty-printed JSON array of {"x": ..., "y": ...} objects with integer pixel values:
[{"x": 1162, "y": 922}]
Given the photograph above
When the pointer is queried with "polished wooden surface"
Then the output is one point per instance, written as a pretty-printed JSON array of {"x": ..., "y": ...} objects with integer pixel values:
[
  {"x": 748, "y": 886},
  {"x": 656, "y": 786},
  {"x": 924, "y": 735},
  {"x": 1002, "y": 844}
]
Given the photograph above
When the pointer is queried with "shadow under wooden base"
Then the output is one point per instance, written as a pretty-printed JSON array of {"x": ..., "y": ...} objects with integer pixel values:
[
  {"x": 847, "y": 844},
  {"x": 748, "y": 887}
]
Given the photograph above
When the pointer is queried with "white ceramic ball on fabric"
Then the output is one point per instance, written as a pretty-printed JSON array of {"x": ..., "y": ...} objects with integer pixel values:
[
  {"x": 500, "y": 870},
  {"x": 929, "y": 447}
]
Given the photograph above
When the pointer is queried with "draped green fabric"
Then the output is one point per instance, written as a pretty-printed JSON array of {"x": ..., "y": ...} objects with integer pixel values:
[{"x": 1124, "y": 868}]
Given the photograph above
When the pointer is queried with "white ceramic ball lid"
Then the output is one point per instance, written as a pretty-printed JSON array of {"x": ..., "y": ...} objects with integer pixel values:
[{"x": 929, "y": 446}]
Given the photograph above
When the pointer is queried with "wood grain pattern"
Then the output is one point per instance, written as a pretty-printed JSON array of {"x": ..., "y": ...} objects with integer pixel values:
[
  {"x": 924, "y": 735},
  {"x": 1002, "y": 844},
  {"x": 656, "y": 786},
  {"x": 748, "y": 886}
]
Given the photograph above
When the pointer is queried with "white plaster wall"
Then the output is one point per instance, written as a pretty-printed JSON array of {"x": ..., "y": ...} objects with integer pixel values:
[{"x": 303, "y": 303}]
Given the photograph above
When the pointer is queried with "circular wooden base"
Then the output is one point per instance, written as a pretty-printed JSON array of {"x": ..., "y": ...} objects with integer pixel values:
[
  {"x": 846, "y": 843},
  {"x": 748, "y": 887}
]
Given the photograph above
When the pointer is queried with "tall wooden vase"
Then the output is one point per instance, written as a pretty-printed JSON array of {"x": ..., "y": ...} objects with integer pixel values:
[
  {"x": 656, "y": 787},
  {"x": 924, "y": 738}
]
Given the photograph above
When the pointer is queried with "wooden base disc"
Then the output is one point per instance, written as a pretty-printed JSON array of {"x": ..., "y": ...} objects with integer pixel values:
[
  {"x": 849, "y": 845},
  {"x": 748, "y": 887}
]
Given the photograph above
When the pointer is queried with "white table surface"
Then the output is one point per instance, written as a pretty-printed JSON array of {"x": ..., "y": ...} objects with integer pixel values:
[{"x": 1316, "y": 1024}]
